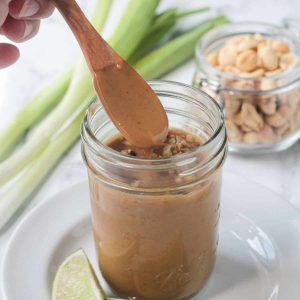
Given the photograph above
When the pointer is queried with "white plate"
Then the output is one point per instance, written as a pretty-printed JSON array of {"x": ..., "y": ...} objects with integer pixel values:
[{"x": 258, "y": 255}]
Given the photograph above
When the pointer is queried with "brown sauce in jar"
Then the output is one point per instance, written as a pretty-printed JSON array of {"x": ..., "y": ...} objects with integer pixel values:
[{"x": 159, "y": 244}]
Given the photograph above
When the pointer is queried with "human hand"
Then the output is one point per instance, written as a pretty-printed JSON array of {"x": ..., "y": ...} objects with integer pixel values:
[{"x": 20, "y": 21}]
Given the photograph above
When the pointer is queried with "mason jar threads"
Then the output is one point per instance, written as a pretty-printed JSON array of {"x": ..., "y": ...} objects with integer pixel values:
[
  {"x": 253, "y": 70},
  {"x": 155, "y": 219}
]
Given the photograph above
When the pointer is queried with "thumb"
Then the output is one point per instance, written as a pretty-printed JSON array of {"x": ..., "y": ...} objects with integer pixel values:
[{"x": 8, "y": 55}]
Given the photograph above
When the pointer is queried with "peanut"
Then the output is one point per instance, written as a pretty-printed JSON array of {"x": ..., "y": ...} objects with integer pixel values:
[
  {"x": 251, "y": 138},
  {"x": 212, "y": 58},
  {"x": 288, "y": 61},
  {"x": 280, "y": 46},
  {"x": 267, "y": 104},
  {"x": 285, "y": 111},
  {"x": 237, "y": 119},
  {"x": 267, "y": 135},
  {"x": 251, "y": 118},
  {"x": 280, "y": 118},
  {"x": 268, "y": 58},
  {"x": 276, "y": 120},
  {"x": 282, "y": 130},
  {"x": 227, "y": 56},
  {"x": 246, "y": 128},
  {"x": 291, "y": 99},
  {"x": 232, "y": 104},
  {"x": 256, "y": 73},
  {"x": 246, "y": 44},
  {"x": 234, "y": 133},
  {"x": 247, "y": 61}
]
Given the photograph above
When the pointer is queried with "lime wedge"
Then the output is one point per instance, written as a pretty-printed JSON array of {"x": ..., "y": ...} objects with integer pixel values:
[{"x": 76, "y": 280}]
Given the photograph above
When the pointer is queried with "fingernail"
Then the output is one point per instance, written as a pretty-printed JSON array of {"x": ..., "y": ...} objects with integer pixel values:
[
  {"x": 28, "y": 29},
  {"x": 30, "y": 8}
]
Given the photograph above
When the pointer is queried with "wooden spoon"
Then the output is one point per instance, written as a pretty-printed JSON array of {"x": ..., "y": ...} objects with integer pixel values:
[{"x": 129, "y": 101}]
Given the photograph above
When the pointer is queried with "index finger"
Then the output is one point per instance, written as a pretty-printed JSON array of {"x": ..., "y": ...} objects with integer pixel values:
[{"x": 4, "y": 9}]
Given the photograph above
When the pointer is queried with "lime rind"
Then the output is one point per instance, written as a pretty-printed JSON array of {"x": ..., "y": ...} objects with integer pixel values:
[{"x": 76, "y": 280}]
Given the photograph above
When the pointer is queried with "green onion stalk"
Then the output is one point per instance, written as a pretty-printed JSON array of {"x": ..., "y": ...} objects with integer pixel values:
[
  {"x": 162, "y": 27},
  {"x": 43, "y": 102},
  {"x": 175, "y": 52},
  {"x": 16, "y": 195}
]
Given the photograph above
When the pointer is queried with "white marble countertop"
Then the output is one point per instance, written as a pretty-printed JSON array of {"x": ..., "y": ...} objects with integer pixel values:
[{"x": 54, "y": 49}]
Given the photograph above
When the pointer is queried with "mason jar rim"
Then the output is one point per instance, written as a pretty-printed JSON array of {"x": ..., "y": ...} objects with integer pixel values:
[
  {"x": 204, "y": 42},
  {"x": 100, "y": 149}
]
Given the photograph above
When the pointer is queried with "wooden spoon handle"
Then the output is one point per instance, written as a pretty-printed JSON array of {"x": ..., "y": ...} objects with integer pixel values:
[{"x": 96, "y": 51}]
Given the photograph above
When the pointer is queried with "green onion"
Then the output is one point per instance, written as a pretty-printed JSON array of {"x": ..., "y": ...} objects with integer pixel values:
[
  {"x": 190, "y": 12},
  {"x": 101, "y": 13},
  {"x": 133, "y": 26},
  {"x": 35, "y": 174},
  {"x": 162, "y": 25},
  {"x": 175, "y": 52},
  {"x": 43, "y": 102},
  {"x": 41, "y": 136}
]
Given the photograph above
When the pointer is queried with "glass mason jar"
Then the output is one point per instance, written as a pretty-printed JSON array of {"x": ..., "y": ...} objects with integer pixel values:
[
  {"x": 270, "y": 106},
  {"x": 155, "y": 220}
]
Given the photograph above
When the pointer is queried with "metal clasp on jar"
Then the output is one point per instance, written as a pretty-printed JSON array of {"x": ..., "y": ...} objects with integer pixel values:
[{"x": 211, "y": 87}]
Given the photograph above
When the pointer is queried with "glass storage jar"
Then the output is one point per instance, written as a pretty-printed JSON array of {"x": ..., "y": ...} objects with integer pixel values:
[
  {"x": 155, "y": 220},
  {"x": 274, "y": 110}
]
